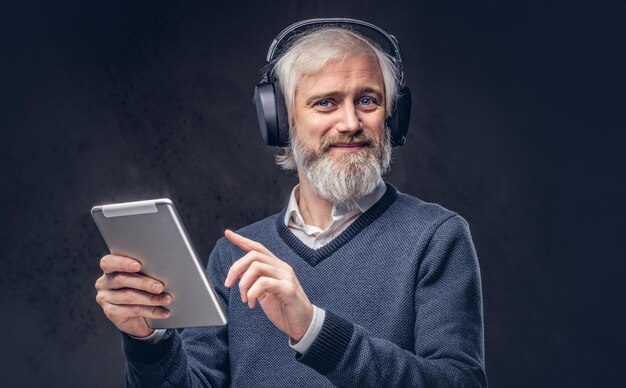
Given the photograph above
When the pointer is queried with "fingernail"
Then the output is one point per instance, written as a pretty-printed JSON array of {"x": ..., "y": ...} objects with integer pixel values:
[
  {"x": 156, "y": 287},
  {"x": 166, "y": 314},
  {"x": 135, "y": 267},
  {"x": 167, "y": 299}
]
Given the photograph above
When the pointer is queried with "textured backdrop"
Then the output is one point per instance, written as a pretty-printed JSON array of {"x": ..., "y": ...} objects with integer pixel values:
[{"x": 516, "y": 126}]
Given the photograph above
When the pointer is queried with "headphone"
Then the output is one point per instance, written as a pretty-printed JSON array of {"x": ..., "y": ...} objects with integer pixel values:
[{"x": 270, "y": 104}]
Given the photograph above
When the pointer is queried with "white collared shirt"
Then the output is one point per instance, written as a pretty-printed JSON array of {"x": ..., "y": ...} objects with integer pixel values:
[{"x": 343, "y": 215}]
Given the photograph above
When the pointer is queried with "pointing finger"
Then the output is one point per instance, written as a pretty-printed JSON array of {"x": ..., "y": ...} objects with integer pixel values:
[{"x": 246, "y": 244}]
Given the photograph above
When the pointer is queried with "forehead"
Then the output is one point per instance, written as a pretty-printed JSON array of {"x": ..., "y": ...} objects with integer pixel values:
[{"x": 345, "y": 74}]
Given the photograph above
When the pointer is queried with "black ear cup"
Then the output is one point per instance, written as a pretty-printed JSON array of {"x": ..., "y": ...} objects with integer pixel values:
[
  {"x": 265, "y": 101},
  {"x": 400, "y": 118},
  {"x": 282, "y": 117},
  {"x": 271, "y": 113}
]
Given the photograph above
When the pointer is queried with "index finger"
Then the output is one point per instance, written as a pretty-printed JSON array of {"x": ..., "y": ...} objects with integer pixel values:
[
  {"x": 246, "y": 244},
  {"x": 115, "y": 263}
]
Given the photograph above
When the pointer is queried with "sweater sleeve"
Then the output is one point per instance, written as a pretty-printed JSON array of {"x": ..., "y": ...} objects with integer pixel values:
[
  {"x": 448, "y": 330},
  {"x": 195, "y": 357}
]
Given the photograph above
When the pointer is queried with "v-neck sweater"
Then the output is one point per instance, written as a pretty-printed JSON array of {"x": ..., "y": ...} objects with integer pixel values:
[{"x": 401, "y": 290}]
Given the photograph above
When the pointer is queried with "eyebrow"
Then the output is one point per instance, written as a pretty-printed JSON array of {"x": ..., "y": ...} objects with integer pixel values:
[{"x": 335, "y": 94}]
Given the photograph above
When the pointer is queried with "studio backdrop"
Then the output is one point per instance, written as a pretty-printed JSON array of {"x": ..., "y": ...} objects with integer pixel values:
[{"x": 515, "y": 126}]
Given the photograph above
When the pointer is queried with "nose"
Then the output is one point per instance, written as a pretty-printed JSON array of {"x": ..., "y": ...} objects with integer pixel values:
[{"x": 349, "y": 122}]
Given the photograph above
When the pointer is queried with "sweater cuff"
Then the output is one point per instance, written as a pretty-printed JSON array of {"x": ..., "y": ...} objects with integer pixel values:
[
  {"x": 330, "y": 345},
  {"x": 311, "y": 334},
  {"x": 144, "y": 352}
]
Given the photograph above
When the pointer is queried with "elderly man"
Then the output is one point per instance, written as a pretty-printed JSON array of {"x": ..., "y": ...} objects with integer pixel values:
[{"x": 352, "y": 284}]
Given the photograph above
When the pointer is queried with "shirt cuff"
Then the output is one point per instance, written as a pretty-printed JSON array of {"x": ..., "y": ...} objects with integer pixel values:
[
  {"x": 153, "y": 338},
  {"x": 311, "y": 334}
]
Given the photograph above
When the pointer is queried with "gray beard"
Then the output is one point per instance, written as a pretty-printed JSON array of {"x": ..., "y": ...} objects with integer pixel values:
[{"x": 346, "y": 177}]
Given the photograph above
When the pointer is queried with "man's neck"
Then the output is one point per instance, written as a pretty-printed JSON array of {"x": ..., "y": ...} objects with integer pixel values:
[{"x": 314, "y": 209}]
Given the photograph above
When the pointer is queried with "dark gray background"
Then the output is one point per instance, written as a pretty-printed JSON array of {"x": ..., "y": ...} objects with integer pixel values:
[{"x": 516, "y": 126}]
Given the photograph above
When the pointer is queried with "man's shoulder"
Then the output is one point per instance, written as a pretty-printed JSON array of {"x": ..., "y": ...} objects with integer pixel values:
[
  {"x": 414, "y": 204},
  {"x": 419, "y": 211},
  {"x": 420, "y": 220}
]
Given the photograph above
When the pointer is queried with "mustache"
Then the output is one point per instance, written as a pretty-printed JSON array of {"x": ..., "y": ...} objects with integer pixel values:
[{"x": 360, "y": 137}]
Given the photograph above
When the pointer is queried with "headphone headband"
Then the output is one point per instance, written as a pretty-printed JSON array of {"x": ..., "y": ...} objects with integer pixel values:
[{"x": 277, "y": 45}]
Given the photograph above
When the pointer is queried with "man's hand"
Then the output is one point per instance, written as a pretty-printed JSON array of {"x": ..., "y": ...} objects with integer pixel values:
[
  {"x": 272, "y": 282},
  {"x": 127, "y": 297}
]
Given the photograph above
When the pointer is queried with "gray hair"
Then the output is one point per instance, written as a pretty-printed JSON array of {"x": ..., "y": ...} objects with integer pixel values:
[{"x": 314, "y": 49}]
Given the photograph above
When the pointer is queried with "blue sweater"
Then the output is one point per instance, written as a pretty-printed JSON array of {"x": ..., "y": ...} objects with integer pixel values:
[{"x": 401, "y": 287}]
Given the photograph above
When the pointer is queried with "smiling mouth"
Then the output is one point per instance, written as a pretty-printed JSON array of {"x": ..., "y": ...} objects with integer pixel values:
[
  {"x": 349, "y": 145},
  {"x": 352, "y": 144}
]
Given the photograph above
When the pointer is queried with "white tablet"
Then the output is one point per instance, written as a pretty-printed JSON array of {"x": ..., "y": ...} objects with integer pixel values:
[{"x": 151, "y": 232}]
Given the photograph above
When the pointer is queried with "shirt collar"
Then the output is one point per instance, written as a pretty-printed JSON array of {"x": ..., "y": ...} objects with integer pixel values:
[{"x": 361, "y": 204}]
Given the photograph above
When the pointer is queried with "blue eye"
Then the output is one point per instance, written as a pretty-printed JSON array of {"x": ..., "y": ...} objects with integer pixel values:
[
  {"x": 366, "y": 101},
  {"x": 323, "y": 103}
]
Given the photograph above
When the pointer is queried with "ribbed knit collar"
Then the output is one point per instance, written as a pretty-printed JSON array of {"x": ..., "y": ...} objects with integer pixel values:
[{"x": 315, "y": 256}]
